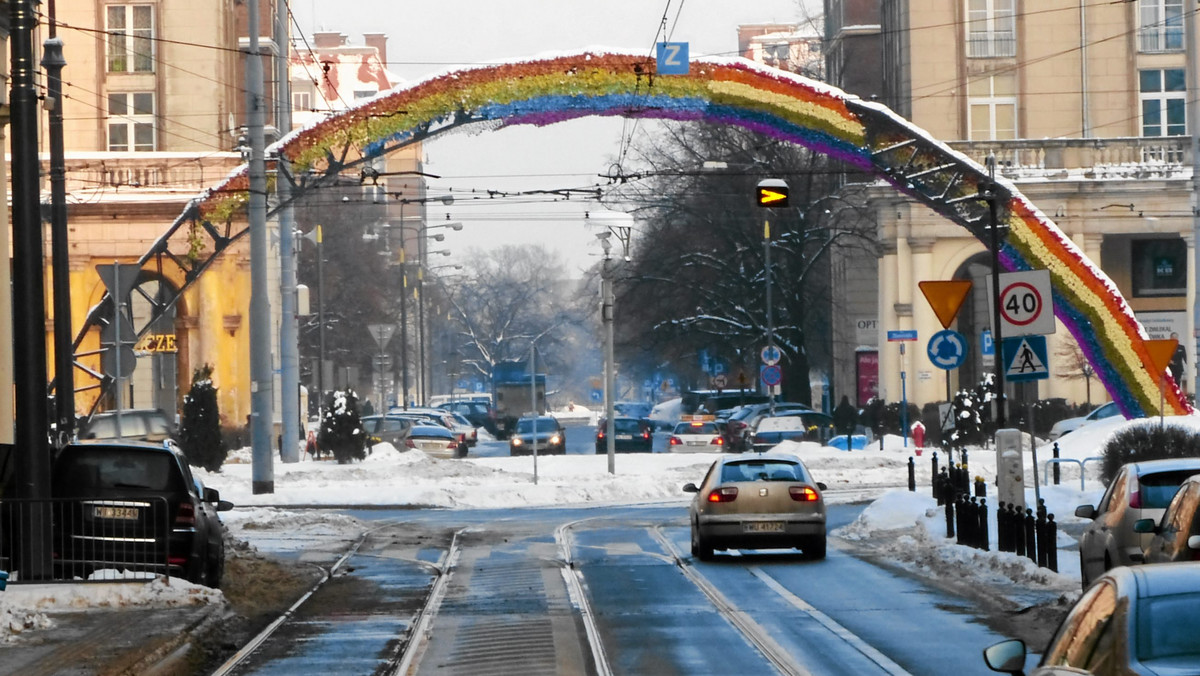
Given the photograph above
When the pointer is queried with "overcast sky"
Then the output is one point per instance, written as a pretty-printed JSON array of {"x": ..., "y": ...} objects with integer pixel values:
[{"x": 430, "y": 37}]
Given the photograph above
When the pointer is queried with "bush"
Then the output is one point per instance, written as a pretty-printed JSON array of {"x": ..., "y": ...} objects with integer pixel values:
[
  {"x": 1148, "y": 441},
  {"x": 933, "y": 424},
  {"x": 200, "y": 429},
  {"x": 341, "y": 428}
]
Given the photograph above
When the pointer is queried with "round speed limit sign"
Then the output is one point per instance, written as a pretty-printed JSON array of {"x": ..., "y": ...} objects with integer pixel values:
[{"x": 1020, "y": 303}]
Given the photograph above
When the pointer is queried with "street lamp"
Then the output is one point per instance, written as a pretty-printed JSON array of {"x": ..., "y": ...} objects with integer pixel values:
[
  {"x": 772, "y": 192},
  {"x": 423, "y": 255},
  {"x": 315, "y": 236}
]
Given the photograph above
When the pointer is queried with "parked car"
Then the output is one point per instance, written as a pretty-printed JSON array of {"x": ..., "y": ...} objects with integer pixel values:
[
  {"x": 435, "y": 441},
  {"x": 551, "y": 436},
  {"x": 1071, "y": 424},
  {"x": 761, "y": 502},
  {"x": 1133, "y": 621},
  {"x": 696, "y": 436},
  {"x": 1177, "y": 535},
  {"x": 479, "y": 413},
  {"x": 1140, "y": 490},
  {"x": 390, "y": 428},
  {"x": 773, "y": 431},
  {"x": 142, "y": 424},
  {"x": 139, "y": 509},
  {"x": 740, "y": 425},
  {"x": 629, "y": 434},
  {"x": 463, "y": 427}
]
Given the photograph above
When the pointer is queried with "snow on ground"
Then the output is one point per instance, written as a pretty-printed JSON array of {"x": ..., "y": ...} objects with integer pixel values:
[{"x": 907, "y": 528}]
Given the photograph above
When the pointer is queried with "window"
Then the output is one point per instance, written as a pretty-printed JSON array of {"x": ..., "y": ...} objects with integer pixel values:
[
  {"x": 1159, "y": 268},
  {"x": 130, "y": 31},
  {"x": 992, "y": 106},
  {"x": 1160, "y": 25},
  {"x": 991, "y": 28},
  {"x": 1162, "y": 94},
  {"x": 131, "y": 122},
  {"x": 301, "y": 101}
]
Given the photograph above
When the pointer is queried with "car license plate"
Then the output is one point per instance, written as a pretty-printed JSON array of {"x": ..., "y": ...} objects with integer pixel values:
[
  {"x": 106, "y": 512},
  {"x": 697, "y": 443},
  {"x": 763, "y": 527},
  {"x": 624, "y": 437}
]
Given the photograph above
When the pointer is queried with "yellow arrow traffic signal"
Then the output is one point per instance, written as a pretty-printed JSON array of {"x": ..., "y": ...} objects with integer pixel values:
[{"x": 772, "y": 197}]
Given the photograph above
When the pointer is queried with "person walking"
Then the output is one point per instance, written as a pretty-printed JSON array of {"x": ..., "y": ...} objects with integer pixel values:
[{"x": 845, "y": 418}]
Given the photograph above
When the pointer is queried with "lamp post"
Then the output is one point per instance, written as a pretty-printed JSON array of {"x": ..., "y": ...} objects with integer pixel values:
[
  {"x": 316, "y": 237},
  {"x": 606, "y": 315},
  {"x": 423, "y": 374},
  {"x": 772, "y": 193}
]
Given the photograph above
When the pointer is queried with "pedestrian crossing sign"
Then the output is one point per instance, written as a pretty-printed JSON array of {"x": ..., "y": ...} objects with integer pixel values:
[{"x": 1025, "y": 359}]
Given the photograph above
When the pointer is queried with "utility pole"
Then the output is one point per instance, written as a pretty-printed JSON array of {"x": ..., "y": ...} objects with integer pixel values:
[
  {"x": 998, "y": 336},
  {"x": 64, "y": 349},
  {"x": 289, "y": 349},
  {"x": 1193, "y": 127},
  {"x": 31, "y": 410},
  {"x": 262, "y": 469}
]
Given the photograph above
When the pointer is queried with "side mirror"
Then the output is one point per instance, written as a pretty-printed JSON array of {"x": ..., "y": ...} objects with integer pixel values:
[
  {"x": 224, "y": 505},
  {"x": 1006, "y": 657},
  {"x": 822, "y": 486},
  {"x": 690, "y": 488},
  {"x": 1085, "y": 512},
  {"x": 1193, "y": 542},
  {"x": 211, "y": 495},
  {"x": 1145, "y": 526}
]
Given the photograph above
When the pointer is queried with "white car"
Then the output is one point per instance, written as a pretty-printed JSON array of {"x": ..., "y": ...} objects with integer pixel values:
[
  {"x": 696, "y": 436},
  {"x": 1071, "y": 424}
]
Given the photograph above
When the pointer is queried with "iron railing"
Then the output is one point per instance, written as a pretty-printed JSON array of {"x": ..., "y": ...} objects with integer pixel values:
[{"x": 88, "y": 539}]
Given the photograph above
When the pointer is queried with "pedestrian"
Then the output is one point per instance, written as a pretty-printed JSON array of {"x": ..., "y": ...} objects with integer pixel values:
[{"x": 845, "y": 419}]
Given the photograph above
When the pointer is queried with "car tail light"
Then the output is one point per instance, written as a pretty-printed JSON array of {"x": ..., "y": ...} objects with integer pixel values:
[
  {"x": 727, "y": 494},
  {"x": 452, "y": 444},
  {"x": 717, "y": 441},
  {"x": 645, "y": 434},
  {"x": 599, "y": 434},
  {"x": 675, "y": 441},
  {"x": 1135, "y": 499},
  {"x": 186, "y": 516},
  {"x": 409, "y": 443},
  {"x": 803, "y": 494}
]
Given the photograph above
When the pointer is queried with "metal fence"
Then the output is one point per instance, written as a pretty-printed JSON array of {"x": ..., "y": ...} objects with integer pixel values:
[{"x": 95, "y": 540}]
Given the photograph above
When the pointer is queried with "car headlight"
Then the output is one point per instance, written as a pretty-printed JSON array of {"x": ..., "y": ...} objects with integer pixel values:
[
  {"x": 555, "y": 439},
  {"x": 516, "y": 441}
]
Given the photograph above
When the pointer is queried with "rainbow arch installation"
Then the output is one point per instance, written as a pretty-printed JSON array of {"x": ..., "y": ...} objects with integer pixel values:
[{"x": 733, "y": 91}]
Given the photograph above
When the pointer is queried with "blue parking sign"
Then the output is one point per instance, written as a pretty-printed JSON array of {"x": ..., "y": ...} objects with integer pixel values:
[{"x": 672, "y": 58}]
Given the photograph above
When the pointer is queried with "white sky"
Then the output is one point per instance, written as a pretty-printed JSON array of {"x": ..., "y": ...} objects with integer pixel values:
[{"x": 427, "y": 38}]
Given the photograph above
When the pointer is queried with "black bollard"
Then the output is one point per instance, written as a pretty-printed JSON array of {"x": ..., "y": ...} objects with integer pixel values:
[
  {"x": 1056, "y": 464},
  {"x": 983, "y": 525},
  {"x": 1052, "y": 538},
  {"x": 1001, "y": 534},
  {"x": 980, "y": 487},
  {"x": 1030, "y": 524},
  {"x": 1042, "y": 542},
  {"x": 949, "y": 518},
  {"x": 1041, "y": 509},
  {"x": 934, "y": 469},
  {"x": 1017, "y": 524},
  {"x": 912, "y": 475},
  {"x": 973, "y": 525}
]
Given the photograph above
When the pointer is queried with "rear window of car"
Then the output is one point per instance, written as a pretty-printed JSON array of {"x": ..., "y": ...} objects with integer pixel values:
[
  {"x": 694, "y": 428},
  {"x": 431, "y": 431},
  {"x": 1157, "y": 489},
  {"x": 763, "y": 470},
  {"x": 627, "y": 426},
  {"x": 1166, "y": 628},
  {"x": 113, "y": 469}
]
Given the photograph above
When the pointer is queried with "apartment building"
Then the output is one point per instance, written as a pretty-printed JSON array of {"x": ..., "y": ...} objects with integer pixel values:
[{"x": 1082, "y": 103}]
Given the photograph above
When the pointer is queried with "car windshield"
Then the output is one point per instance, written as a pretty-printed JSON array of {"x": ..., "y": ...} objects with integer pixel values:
[
  {"x": 1166, "y": 629},
  {"x": 627, "y": 426},
  {"x": 696, "y": 428},
  {"x": 114, "y": 468},
  {"x": 525, "y": 425},
  {"x": 1157, "y": 489},
  {"x": 763, "y": 470}
]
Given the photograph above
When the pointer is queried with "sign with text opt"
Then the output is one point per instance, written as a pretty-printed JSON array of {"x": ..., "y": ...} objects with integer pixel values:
[{"x": 1026, "y": 303}]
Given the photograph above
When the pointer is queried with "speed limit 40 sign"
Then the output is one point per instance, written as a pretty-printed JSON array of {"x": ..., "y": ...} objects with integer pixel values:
[{"x": 1026, "y": 303}]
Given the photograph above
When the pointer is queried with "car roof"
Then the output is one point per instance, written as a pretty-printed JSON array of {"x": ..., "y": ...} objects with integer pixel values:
[
  {"x": 786, "y": 422},
  {"x": 1165, "y": 465},
  {"x": 1160, "y": 579},
  {"x": 431, "y": 430},
  {"x": 124, "y": 443}
]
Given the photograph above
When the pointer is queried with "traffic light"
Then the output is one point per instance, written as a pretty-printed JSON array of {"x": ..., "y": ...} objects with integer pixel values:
[{"x": 772, "y": 192}]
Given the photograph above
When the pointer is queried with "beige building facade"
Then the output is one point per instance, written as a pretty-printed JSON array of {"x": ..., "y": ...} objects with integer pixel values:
[{"x": 1083, "y": 106}]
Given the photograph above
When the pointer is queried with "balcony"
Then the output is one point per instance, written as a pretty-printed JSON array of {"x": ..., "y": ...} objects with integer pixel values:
[{"x": 1141, "y": 157}]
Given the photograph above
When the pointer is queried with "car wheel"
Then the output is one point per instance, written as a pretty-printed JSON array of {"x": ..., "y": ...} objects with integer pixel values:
[
  {"x": 198, "y": 571},
  {"x": 216, "y": 568},
  {"x": 815, "y": 547},
  {"x": 701, "y": 549},
  {"x": 460, "y": 451}
]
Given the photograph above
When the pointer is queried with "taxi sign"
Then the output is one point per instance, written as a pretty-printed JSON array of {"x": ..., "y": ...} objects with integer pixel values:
[
  {"x": 946, "y": 297},
  {"x": 772, "y": 192}
]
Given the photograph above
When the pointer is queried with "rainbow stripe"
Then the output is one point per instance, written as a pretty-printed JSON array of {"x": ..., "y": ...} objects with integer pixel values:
[{"x": 725, "y": 91}]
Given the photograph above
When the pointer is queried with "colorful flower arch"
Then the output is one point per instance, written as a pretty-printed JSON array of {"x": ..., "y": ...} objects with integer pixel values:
[{"x": 771, "y": 102}]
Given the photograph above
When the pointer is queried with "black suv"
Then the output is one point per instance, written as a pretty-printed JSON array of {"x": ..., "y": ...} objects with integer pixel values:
[
  {"x": 136, "y": 507},
  {"x": 478, "y": 413}
]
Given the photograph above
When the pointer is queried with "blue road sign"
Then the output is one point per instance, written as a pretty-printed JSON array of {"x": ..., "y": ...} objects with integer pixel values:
[
  {"x": 672, "y": 58},
  {"x": 895, "y": 336},
  {"x": 597, "y": 395},
  {"x": 987, "y": 345},
  {"x": 771, "y": 375},
  {"x": 947, "y": 349},
  {"x": 1025, "y": 359},
  {"x": 771, "y": 355}
]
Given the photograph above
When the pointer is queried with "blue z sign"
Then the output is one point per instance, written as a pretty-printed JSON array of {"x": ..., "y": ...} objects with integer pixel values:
[{"x": 672, "y": 58}]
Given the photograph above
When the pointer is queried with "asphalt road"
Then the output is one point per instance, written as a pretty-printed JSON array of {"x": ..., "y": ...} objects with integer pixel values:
[
  {"x": 581, "y": 440},
  {"x": 613, "y": 590}
]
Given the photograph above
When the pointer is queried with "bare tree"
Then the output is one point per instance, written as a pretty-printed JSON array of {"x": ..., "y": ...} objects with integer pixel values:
[{"x": 1076, "y": 365}]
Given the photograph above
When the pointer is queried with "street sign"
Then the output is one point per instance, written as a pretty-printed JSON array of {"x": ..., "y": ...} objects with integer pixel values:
[
  {"x": 900, "y": 336},
  {"x": 771, "y": 355},
  {"x": 771, "y": 375},
  {"x": 1161, "y": 352},
  {"x": 718, "y": 381},
  {"x": 772, "y": 192},
  {"x": 382, "y": 333},
  {"x": 672, "y": 58},
  {"x": 947, "y": 349},
  {"x": 945, "y": 297},
  {"x": 1025, "y": 359},
  {"x": 1026, "y": 303}
]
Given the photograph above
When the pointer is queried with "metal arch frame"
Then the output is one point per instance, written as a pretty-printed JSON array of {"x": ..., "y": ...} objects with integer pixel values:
[{"x": 217, "y": 239}]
